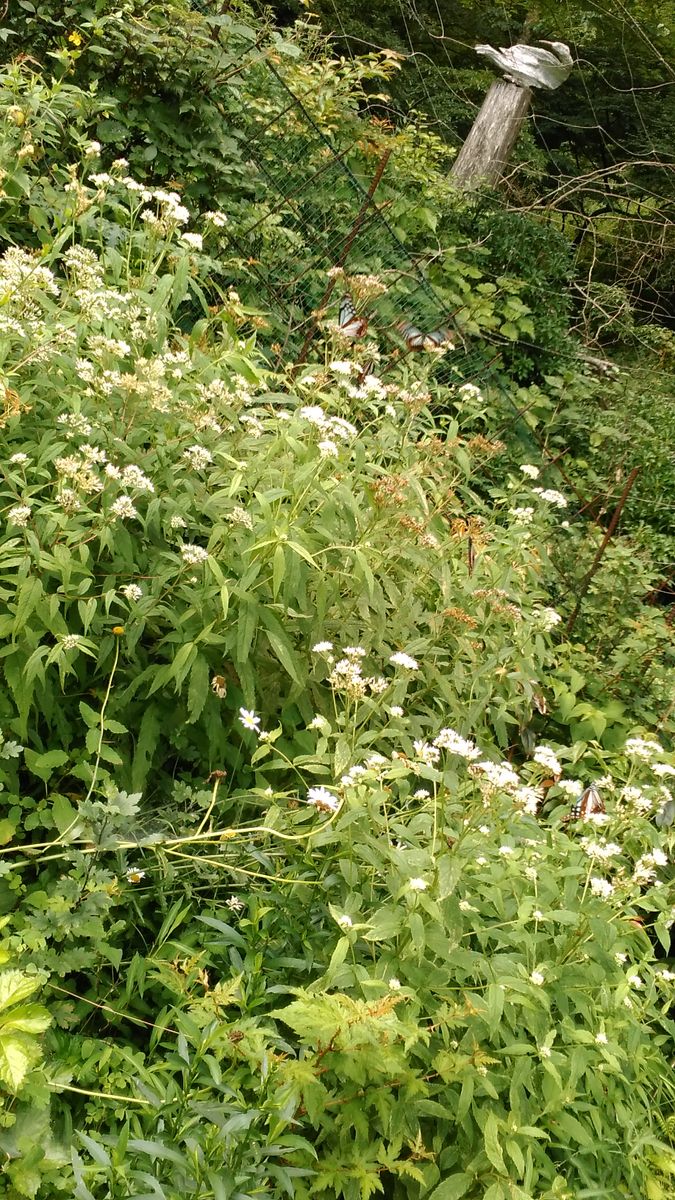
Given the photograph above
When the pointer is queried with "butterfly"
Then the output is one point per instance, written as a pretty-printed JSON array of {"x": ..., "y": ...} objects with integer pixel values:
[
  {"x": 412, "y": 336},
  {"x": 440, "y": 337},
  {"x": 350, "y": 324},
  {"x": 589, "y": 803},
  {"x": 415, "y": 339}
]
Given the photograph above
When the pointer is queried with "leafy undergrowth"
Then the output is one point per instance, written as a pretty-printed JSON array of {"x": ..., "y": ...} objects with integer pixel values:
[{"x": 292, "y": 732}]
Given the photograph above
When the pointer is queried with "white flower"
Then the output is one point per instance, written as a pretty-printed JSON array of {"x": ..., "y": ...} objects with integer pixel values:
[
  {"x": 538, "y": 914},
  {"x": 546, "y": 758},
  {"x": 547, "y": 618},
  {"x": 194, "y": 240},
  {"x": 92, "y": 149},
  {"x": 449, "y": 739},
  {"x": 19, "y": 515},
  {"x": 635, "y": 981},
  {"x": 666, "y": 975},
  {"x": 354, "y": 652},
  {"x": 317, "y": 722},
  {"x": 192, "y": 555},
  {"x": 530, "y": 471},
  {"x": 219, "y": 686},
  {"x": 466, "y": 907},
  {"x": 601, "y": 887},
  {"x": 601, "y": 1038},
  {"x": 427, "y": 753},
  {"x": 322, "y": 647},
  {"x": 134, "y": 876},
  {"x": 470, "y": 391},
  {"x": 600, "y": 850},
  {"x": 198, "y": 457},
  {"x": 249, "y": 719},
  {"x": 322, "y": 799},
  {"x": 421, "y": 794},
  {"x": 132, "y": 591},
  {"x": 641, "y": 748},
  {"x": 498, "y": 775},
  {"x": 662, "y": 769},
  {"x": 69, "y": 500},
  {"x": 239, "y": 516},
  {"x": 70, "y": 641},
  {"x": 529, "y": 799},
  {"x": 234, "y": 903},
  {"x": 216, "y": 218},
  {"x": 396, "y": 710},
  {"x": 522, "y": 516},
  {"x": 544, "y": 1051},
  {"x": 400, "y": 659},
  {"x": 531, "y": 874},
  {"x": 394, "y": 984},
  {"x": 19, "y": 460},
  {"x": 551, "y": 497},
  {"x": 342, "y": 368},
  {"x": 481, "y": 861},
  {"x": 345, "y": 921},
  {"x": 133, "y": 477},
  {"x": 123, "y": 507},
  {"x": 620, "y": 957},
  {"x": 418, "y": 885},
  {"x": 537, "y": 977},
  {"x": 177, "y": 522},
  {"x": 328, "y": 449},
  {"x": 571, "y": 787},
  {"x": 506, "y": 850}
]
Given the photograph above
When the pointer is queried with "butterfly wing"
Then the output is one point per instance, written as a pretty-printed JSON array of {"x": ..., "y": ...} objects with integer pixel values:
[
  {"x": 439, "y": 337},
  {"x": 589, "y": 803},
  {"x": 350, "y": 324},
  {"x": 412, "y": 336}
]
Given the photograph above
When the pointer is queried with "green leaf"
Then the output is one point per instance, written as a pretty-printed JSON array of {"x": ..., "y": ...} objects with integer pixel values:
[
  {"x": 43, "y": 765},
  {"x": 28, "y": 597},
  {"x": 452, "y": 1188},
  {"x": 491, "y": 1142},
  {"x": 15, "y": 1061},
  {"x": 198, "y": 689}
]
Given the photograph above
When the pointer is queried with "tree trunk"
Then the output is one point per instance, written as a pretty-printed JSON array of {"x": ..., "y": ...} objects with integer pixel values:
[{"x": 492, "y": 137}]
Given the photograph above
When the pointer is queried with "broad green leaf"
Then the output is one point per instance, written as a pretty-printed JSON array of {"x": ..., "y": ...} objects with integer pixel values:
[{"x": 452, "y": 1188}]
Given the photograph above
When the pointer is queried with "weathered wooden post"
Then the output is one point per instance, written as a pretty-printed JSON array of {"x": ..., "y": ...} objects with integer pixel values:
[{"x": 487, "y": 149}]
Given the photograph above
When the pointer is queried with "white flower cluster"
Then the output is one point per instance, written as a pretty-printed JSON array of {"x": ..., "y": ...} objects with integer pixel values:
[
  {"x": 198, "y": 457},
  {"x": 123, "y": 508},
  {"x": 335, "y": 427},
  {"x": 547, "y": 758},
  {"x": 546, "y": 618},
  {"x": 132, "y": 592},
  {"x": 530, "y": 471},
  {"x": 601, "y": 850},
  {"x": 645, "y": 867},
  {"x": 522, "y": 516},
  {"x": 323, "y": 800},
  {"x": 193, "y": 555},
  {"x": 496, "y": 775},
  {"x": 239, "y": 516},
  {"x": 642, "y": 748},
  {"x": 551, "y": 497},
  {"x": 449, "y": 739},
  {"x": 19, "y": 515}
]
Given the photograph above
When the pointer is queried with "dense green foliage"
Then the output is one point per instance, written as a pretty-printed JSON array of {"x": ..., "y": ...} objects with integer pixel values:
[{"x": 304, "y": 663}]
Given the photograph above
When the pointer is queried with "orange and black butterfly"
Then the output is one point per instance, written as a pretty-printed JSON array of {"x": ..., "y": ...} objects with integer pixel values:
[
  {"x": 350, "y": 324},
  {"x": 588, "y": 805}
]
